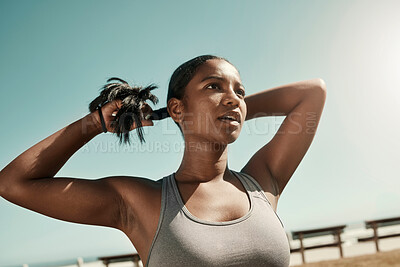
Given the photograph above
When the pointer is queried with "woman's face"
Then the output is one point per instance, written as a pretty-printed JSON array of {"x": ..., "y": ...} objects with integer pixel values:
[{"x": 215, "y": 91}]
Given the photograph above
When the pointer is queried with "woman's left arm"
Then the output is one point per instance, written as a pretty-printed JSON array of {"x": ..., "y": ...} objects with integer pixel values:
[{"x": 302, "y": 103}]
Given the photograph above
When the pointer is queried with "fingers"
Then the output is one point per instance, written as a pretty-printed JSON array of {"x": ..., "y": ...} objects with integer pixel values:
[
  {"x": 113, "y": 108},
  {"x": 147, "y": 111}
]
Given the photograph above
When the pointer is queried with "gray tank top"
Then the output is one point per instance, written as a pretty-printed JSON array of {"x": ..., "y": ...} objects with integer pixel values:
[{"x": 181, "y": 239}]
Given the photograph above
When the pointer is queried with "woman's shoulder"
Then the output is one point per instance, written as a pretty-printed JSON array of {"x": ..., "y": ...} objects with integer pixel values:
[
  {"x": 262, "y": 177},
  {"x": 263, "y": 180}
]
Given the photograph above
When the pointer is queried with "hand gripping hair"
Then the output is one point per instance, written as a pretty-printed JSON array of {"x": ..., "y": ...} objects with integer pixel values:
[{"x": 133, "y": 99}]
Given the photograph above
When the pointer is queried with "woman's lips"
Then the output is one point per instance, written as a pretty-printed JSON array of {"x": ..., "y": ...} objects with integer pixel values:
[{"x": 230, "y": 122}]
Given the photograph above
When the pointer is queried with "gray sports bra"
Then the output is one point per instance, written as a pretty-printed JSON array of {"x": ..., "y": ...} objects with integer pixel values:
[{"x": 181, "y": 239}]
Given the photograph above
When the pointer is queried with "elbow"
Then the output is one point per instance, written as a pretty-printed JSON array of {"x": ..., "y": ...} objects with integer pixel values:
[
  {"x": 2, "y": 186},
  {"x": 318, "y": 88},
  {"x": 9, "y": 188},
  {"x": 2, "y": 183},
  {"x": 316, "y": 91},
  {"x": 6, "y": 184},
  {"x": 320, "y": 84}
]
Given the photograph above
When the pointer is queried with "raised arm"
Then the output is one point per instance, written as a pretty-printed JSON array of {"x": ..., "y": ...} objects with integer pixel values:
[
  {"x": 28, "y": 180},
  {"x": 302, "y": 104}
]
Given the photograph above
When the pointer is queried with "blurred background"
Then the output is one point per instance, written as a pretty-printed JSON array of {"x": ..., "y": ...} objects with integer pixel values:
[{"x": 55, "y": 56}]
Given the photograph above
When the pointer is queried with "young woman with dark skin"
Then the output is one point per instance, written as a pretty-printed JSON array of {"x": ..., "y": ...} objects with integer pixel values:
[{"x": 132, "y": 204}]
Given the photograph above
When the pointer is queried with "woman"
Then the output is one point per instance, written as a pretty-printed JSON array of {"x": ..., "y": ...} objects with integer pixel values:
[{"x": 204, "y": 214}]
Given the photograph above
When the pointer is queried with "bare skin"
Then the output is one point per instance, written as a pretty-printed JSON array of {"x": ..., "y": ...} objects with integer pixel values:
[{"x": 208, "y": 188}]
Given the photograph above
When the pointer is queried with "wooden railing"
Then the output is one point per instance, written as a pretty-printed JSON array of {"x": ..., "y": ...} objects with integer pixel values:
[
  {"x": 335, "y": 230},
  {"x": 375, "y": 224},
  {"x": 120, "y": 258}
]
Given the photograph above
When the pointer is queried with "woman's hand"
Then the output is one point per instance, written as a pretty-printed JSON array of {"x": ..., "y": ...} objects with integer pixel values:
[{"x": 110, "y": 110}]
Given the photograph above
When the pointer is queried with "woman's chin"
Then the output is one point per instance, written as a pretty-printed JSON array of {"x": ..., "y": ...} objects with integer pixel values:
[
  {"x": 230, "y": 138},
  {"x": 233, "y": 139}
]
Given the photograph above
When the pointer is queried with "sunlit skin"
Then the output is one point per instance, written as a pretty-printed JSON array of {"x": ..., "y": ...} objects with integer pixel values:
[
  {"x": 215, "y": 89},
  {"x": 203, "y": 178},
  {"x": 208, "y": 188}
]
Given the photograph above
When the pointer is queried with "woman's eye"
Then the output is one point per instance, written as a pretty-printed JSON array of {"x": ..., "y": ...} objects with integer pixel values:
[
  {"x": 213, "y": 86},
  {"x": 216, "y": 86},
  {"x": 242, "y": 92}
]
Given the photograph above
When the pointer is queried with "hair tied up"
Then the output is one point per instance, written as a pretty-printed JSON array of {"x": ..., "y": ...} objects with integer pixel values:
[{"x": 133, "y": 99}]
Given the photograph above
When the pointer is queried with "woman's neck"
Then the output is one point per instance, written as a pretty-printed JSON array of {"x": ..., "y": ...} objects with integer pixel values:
[{"x": 203, "y": 162}]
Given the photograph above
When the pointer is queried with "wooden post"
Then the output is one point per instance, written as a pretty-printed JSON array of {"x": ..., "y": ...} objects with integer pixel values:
[
  {"x": 339, "y": 242},
  {"x": 302, "y": 247},
  {"x": 135, "y": 261},
  {"x": 374, "y": 226},
  {"x": 79, "y": 262}
]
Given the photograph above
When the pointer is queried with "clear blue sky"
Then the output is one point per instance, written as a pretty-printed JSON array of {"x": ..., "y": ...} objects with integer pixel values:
[{"x": 55, "y": 55}]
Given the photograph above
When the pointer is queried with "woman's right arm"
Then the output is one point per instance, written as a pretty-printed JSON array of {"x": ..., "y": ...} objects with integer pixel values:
[{"x": 28, "y": 180}]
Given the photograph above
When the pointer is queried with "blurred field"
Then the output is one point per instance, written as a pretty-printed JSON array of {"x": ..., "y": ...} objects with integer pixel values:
[{"x": 381, "y": 259}]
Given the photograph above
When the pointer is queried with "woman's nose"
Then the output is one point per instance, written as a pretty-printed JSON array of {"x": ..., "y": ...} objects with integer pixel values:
[{"x": 231, "y": 98}]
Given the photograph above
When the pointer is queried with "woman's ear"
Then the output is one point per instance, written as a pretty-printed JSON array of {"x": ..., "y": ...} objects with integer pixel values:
[{"x": 175, "y": 109}]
